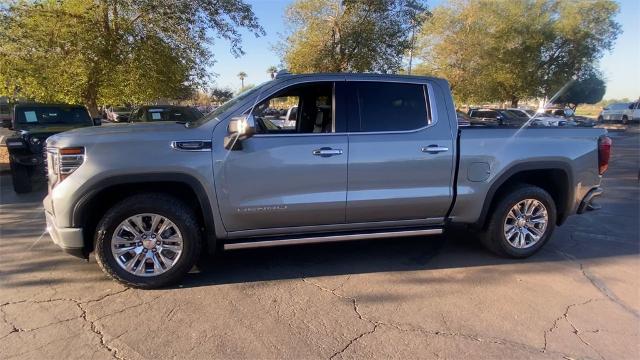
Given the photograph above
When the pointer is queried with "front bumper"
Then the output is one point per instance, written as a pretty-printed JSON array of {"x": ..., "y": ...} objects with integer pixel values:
[
  {"x": 587, "y": 203},
  {"x": 70, "y": 240}
]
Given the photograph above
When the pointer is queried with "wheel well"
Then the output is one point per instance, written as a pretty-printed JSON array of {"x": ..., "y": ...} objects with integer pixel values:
[
  {"x": 93, "y": 209},
  {"x": 553, "y": 181}
]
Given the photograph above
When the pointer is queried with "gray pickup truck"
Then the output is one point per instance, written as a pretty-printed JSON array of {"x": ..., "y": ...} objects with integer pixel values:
[{"x": 370, "y": 156}]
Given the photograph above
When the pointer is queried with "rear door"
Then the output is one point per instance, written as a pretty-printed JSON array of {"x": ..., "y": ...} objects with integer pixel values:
[{"x": 400, "y": 154}]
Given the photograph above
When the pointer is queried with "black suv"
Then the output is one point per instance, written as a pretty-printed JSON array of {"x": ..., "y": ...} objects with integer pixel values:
[
  {"x": 495, "y": 117},
  {"x": 32, "y": 124}
]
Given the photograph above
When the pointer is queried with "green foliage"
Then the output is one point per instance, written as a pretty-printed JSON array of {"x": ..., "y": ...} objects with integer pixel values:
[
  {"x": 350, "y": 35},
  {"x": 506, "y": 50},
  {"x": 242, "y": 75},
  {"x": 113, "y": 51},
  {"x": 272, "y": 71},
  {"x": 588, "y": 90},
  {"x": 221, "y": 95}
]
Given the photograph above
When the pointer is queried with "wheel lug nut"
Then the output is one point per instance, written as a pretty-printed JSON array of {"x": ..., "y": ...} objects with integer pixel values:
[
  {"x": 154, "y": 249},
  {"x": 153, "y": 236},
  {"x": 157, "y": 242},
  {"x": 144, "y": 251}
]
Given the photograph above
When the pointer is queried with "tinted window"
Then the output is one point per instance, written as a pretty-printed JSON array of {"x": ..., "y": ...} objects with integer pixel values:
[
  {"x": 390, "y": 106},
  {"x": 180, "y": 114},
  {"x": 484, "y": 114}
]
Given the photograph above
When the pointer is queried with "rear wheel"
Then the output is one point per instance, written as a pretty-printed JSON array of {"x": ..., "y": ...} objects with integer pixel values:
[
  {"x": 600, "y": 119},
  {"x": 21, "y": 178},
  {"x": 521, "y": 223},
  {"x": 148, "y": 241},
  {"x": 625, "y": 120}
]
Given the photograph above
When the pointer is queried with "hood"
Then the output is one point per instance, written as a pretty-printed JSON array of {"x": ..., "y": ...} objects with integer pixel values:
[
  {"x": 50, "y": 128},
  {"x": 125, "y": 133}
]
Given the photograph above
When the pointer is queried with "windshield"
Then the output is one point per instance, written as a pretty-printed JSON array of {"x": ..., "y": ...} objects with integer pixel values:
[
  {"x": 47, "y": 115},
  {"x": 228, "y": 105},
  {"x": 121, "y": 109}
]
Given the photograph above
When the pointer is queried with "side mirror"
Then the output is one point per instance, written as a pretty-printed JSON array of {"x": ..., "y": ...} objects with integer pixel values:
[
  {"x": 239, "y": 129},
  {"x": 6, "y": 123},
  {"x": 97, "y": 121}
]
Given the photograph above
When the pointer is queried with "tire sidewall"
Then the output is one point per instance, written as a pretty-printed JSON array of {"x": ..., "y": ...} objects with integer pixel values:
[
  {"x": 530, "y": 192},
  {"x": 165, "y": 206}
]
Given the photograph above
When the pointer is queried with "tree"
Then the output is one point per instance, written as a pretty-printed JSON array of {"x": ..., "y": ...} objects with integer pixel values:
[
  {"x": 588, "y": 90},
  {"x": 511, "y": 50},
  {"x": 272, "y": 70},
  {"x": 242, "y": 75},
  {"x": 349, "y": 35},
  {"x": 220, "y": 95},
  {"x": 114, "y": 51}
]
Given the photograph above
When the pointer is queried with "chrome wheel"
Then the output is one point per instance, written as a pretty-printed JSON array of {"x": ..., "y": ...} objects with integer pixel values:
[
  {"x": 146, "y": 244},
  {"x": 526, "y": 223}
]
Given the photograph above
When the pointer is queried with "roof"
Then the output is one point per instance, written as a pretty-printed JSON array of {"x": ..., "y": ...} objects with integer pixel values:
[{"x": 32, "y": 105}]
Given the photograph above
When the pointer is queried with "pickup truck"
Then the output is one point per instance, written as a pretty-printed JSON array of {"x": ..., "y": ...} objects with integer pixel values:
[{"x": 370, "y": 156}]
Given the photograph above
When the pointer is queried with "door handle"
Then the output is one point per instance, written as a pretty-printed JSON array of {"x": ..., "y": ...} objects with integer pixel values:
[
  {"x": 434, "y": 149},
  {"x": 326, "y": 152}
]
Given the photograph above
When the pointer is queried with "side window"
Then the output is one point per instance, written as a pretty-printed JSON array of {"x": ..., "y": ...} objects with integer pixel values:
[
  {"x": 306, "y": 108},
  {"x": 391, "y": 106}
]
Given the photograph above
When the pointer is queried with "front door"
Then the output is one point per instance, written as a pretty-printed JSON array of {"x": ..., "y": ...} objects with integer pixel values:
[
  {"x": 400, "y": 157},
  {"x": 293, "y": 172}
]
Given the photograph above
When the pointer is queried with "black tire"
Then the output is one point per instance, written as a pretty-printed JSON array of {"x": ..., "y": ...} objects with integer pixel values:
[
  {"x": 600, "y": 119},
  {"x": 625, "y": 120},
  {"x": 169, "y": 207},
  {"x": 21, "y": 178},
  {"x": 494, "y": 239}
]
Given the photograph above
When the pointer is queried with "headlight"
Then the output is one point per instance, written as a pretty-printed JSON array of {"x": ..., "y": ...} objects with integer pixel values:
[{"x": 63, "y": 162}]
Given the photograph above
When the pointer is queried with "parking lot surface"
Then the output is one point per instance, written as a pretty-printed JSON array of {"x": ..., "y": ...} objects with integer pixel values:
[{"x": 433, "y": 297}]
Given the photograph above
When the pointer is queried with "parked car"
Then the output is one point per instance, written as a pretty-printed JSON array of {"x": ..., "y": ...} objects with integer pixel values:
[
  {"x": 538, "y": 118},
  {"x": 32, "y": 124},
  {"x": 494, "y": 117},
  {"x": 623, "y": 112},
  {"x": 156, "y": 113},
  {"x": 463, "y": 119},
  {"x": 288, "y": 121},
  {"x": 148, "y": 198},
  {"x": 118, "y": 114}
]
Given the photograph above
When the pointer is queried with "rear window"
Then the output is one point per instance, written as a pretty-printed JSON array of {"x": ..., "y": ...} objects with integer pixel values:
[
  {"x": 391, "y": 106},
  {"x": 52, "y": 115}
]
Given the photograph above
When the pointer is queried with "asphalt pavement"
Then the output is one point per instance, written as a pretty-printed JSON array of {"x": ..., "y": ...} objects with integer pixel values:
[{"x": 431, "y": 298}]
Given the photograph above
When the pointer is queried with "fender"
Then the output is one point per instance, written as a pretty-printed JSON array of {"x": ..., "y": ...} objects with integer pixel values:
[
  {"x": 195, "y": 185},
  {"x": 529, "y": 166}
]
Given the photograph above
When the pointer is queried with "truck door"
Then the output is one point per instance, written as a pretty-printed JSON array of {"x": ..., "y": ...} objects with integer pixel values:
[
  {"x": 401, "y": 155},
  {"x": 288, "y": 174}
]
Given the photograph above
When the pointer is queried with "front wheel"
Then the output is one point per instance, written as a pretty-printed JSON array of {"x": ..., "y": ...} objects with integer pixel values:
[
  {"x": 148, "y": 241},
  {"x": 21, "y": 178},
  {"x": 625, "y": 120},
  {"x": 521, "y": 223}
]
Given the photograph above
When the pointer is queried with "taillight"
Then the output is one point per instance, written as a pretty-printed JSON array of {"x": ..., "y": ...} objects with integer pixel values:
[{"x": 604, "y": 153}]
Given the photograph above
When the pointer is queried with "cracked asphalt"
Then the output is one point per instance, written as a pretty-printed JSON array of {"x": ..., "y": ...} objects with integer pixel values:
[{"x": 433, "y": 297}]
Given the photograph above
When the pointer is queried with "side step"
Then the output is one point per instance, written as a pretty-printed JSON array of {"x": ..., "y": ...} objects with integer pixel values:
[{"x": 254, "y": 243}]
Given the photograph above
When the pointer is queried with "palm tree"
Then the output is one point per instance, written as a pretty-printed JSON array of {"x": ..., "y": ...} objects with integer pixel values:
[
  {"x": 272, "y": 70},
  {"x": 242, "y": 75}
]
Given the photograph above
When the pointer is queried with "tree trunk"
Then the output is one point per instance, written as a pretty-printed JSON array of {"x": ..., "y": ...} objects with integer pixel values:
[{"x": 514, "y": 102}]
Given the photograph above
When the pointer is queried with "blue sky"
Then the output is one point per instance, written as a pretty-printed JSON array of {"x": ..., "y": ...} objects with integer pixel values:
[{"x": 621, "y": 67}]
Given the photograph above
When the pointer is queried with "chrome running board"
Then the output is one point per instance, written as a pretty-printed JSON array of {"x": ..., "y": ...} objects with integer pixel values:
[{"x": 254, "y": 243}]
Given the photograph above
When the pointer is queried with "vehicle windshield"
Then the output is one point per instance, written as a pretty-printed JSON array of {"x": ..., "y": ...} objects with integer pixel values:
[
  {"x": 227, "y": 105},
  {"x": 52, "y": 115},
  {"x": 121, "y": 109}
]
